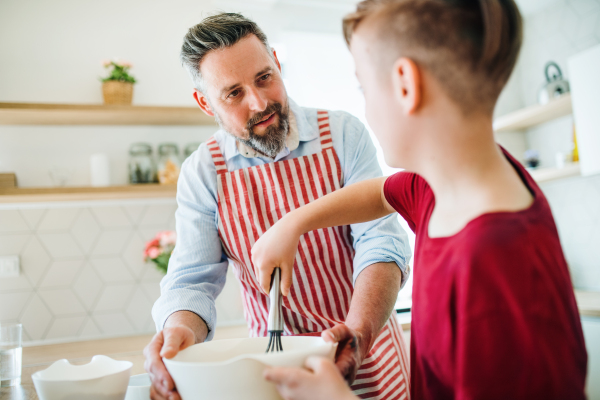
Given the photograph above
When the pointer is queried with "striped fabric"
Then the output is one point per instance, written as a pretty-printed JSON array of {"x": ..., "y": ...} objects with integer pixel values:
[{"x": 250, "y": 201}]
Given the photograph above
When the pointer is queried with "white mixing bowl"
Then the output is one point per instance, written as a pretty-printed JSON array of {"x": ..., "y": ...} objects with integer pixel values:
[
  {"x": 233, "y": 369},
  {"x": 102, "y": 379}
]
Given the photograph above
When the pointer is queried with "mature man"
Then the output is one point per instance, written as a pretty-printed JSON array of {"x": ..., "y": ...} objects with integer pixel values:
[{"x": 269, "y": 157}]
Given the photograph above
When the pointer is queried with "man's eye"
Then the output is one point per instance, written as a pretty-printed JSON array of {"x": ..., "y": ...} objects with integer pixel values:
[
  {"x": 234, "y": 93},
  {"x": 265, "y": 77}
]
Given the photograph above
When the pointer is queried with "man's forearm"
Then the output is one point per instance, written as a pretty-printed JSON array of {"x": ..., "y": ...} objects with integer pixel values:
[
  {"x": 375, "y": 293},
  {"x": 192, "y": 321}
]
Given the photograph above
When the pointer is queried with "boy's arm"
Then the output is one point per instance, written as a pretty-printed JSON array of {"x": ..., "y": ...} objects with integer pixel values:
[{"x": 360, "y": 202}]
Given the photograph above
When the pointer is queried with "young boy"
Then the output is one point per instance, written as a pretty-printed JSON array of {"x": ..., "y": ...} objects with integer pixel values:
[{"x": 494, "y": 314}]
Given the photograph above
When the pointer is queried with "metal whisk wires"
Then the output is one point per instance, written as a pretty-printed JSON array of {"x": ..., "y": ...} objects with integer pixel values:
[{"x": 275, "y": 323}]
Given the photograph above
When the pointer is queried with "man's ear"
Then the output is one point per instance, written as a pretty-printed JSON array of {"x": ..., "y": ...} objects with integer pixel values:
[
  {"x": 276, "y": 59},
  {"x": 203, "y": 102},
  {"x": 406, "y": 82}
]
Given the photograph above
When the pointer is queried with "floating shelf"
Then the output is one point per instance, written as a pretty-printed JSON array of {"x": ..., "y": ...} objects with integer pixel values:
[
  {"x": 29, "y": 195},
  {"x": 79, "y": 114},
  {"x": 550, "y": 174},
  {"x": 534, "y": 115}
]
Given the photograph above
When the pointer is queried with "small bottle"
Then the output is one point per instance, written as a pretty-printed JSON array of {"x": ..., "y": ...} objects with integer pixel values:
[
  {"x": 169, "y": 163},
  {"x": 141, "y": 164}
]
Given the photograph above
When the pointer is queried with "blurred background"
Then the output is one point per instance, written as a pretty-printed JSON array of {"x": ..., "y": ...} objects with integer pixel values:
[{"x": 82, "y": 270}]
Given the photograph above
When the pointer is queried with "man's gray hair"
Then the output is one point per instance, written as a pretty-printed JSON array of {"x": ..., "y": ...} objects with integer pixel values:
[{"x": 215, "y": 32}]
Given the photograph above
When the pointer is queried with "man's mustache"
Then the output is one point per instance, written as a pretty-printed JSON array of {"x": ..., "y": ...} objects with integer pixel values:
[{"x": 271, "y": 108}]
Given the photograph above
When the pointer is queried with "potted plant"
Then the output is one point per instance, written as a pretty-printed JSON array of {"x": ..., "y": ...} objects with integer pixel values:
[{"x": 117, "y": 87}]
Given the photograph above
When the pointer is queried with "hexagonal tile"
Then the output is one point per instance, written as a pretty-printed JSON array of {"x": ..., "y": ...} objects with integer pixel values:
[
  {"x": 85, "y": 230},
  {"x": 58, "y": 219},
  {"x": 111, "y": 217},
  {"x": 13, "y": 244},
  {"x": 113, "y": 297},
  {"x": 17, "y": 283},
  {"x": 134, "y": 212},
  {"x": 12, "y": 304},
  {"x": 152, "y": 274},
  {"x": 87, "y": 286},
  {"x": 133, "y": 255},
  {"x": 36, "y": 318},
  {"x": 11, "y": 221},
  {"x": 158, "y": 215},
  {"x": 112, "y": 270},
  {"x": 62, "y": 301},
  {"x": 139, "y": 310},
  {"x": 111, "y": 243},
  {"x": 65, "y": 327},
  {"x": 113, "y": 324},
  {"x": 33, "y": 216},
  {"x": 60, "y": 245},
  {"x": 61, "y": 273},
  {"x": 34, "y": 260},
  {"x": 152, "y": 290},
  {"x": 89, "y": 329}
]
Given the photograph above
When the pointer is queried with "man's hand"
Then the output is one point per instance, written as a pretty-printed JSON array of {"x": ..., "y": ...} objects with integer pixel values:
[
  {"x": 351, "y": 350},
  {"x": 276, "y": 248},
  {"x": 182, "y": 329},
  {"x": 319, "y": 381}
]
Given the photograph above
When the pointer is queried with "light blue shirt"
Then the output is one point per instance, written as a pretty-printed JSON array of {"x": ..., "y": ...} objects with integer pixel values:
[{"x": 198, "y": 265}]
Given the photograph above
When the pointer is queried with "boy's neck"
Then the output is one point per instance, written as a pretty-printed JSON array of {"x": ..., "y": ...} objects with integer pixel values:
[{"x": 466, "y": 170}]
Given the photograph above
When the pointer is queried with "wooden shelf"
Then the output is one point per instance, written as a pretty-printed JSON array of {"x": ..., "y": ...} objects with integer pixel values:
[
  {"x": 29, "y": 195},
  {"x": 534, "y": 115},
  {"x": 549, "y": 174},
  {"x": 80, "y": 114}
]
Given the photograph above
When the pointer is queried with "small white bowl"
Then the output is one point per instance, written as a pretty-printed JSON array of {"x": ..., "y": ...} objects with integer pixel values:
[
  {"x": 233, "y": 369},
  {"x": 102, "y": 379},
  {"x": 139, "y": 387}
]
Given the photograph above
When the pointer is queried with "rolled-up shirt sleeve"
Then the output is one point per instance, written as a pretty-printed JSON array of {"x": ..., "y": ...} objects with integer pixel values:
[
  {"x": 382, "y": 240},
  {"x": 198, "y": 265}
]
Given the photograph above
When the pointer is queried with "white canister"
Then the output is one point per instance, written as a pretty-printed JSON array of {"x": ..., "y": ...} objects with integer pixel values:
[{"x": 99, "y": 170}]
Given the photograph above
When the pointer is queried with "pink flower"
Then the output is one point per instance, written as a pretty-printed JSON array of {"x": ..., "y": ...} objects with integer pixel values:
[
  {"x": 106, "y": 63},
  {"x": 167, "y": 238},
  {"x": 153, "y": 252},
  {"x": 126, "y": 64}
]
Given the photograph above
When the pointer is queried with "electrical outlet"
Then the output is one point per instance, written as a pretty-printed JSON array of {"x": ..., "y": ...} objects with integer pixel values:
[{"x": 9, "y": 266}]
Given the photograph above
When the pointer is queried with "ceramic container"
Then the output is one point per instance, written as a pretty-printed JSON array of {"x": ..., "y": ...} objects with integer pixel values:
[
  {"x": 139, "y": 387},
  {"x": 101, "y": 379},
  {"x": 233, "y": 369}
]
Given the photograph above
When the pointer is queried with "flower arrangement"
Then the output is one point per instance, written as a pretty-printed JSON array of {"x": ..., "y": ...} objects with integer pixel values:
[
  {"x": 119, "y": 72},
  {"x": 159, "y": 249}
]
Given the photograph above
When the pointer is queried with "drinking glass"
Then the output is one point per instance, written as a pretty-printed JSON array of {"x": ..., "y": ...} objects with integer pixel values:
[{"x": 10, "y": 354}]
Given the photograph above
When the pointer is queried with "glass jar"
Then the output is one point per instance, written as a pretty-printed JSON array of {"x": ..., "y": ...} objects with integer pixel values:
[
  {"x": 169, "y": 163},
  {"x": 141, "y": 164},
  {"x": 190, "y": 148}
]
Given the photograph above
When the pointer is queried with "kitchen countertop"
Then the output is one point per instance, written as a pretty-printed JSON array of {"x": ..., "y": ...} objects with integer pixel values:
[{"x": 130, "y": 349}]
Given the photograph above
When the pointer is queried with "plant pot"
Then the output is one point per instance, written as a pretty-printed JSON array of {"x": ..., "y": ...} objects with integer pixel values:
[{"x": 117, "y": 92}]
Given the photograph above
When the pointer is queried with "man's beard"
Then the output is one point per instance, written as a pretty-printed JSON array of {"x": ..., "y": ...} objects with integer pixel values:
[{"x": 272, "y": 141}]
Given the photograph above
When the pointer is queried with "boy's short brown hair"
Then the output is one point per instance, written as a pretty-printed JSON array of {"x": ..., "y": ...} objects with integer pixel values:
[{"x": 469, "y": 46}]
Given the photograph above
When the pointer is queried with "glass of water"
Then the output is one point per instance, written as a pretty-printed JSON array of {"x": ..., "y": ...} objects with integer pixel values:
[{"x": 10, "y": 354}]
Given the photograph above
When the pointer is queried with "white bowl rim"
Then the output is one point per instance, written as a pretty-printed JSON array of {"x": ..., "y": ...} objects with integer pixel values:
[
  {"x": 256, "y": 357},
  {"x": 120, "y": 364}
]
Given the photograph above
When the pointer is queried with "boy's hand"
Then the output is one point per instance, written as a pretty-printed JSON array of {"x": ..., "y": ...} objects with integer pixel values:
[
  {"x": 350, "y": 351},
  {"x": 276, "y": 248},
  {"x": 320, "y": 380}
]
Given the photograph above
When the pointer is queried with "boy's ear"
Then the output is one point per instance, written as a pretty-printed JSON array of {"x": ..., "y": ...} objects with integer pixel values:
[
  {"x": 406, "y": 83},
  {"x": 203, "y": 102}
]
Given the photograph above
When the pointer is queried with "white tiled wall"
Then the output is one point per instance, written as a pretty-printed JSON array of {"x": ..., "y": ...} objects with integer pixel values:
[
  {"x": 563, "y": 29},
  {"x": 82, "y": 269}
]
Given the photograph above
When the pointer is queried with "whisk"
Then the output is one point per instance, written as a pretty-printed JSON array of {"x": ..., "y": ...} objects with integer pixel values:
[{"x": 275, "y": 323}]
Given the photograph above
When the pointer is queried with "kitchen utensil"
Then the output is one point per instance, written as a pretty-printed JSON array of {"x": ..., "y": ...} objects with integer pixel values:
[
  {"x": 101, "y": 379},
  {"x": 555, "y": 85},
  {"x": 139, "y": 387},
  {"x": 233, "y": 369},
  {"x": 275, "y": 322}
]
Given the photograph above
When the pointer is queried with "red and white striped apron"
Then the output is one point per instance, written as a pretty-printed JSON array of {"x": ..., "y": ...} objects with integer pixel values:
[{"x": 250, "y": 201}]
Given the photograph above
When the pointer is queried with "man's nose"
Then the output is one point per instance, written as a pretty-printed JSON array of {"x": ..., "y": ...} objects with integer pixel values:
[{"x": 256, "y": 100}]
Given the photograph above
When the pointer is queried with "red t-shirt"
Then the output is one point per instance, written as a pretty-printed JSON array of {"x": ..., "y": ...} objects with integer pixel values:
[{"x": 494, "y": 314}]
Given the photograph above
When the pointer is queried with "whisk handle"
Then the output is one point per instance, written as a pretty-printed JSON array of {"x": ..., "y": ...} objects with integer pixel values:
[{"x": 275, "y": 322}]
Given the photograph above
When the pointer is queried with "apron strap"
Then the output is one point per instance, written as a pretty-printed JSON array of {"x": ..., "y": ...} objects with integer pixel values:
[
  {"x": 324, "y": 131},
  {"x": 217, "y": 156}
]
